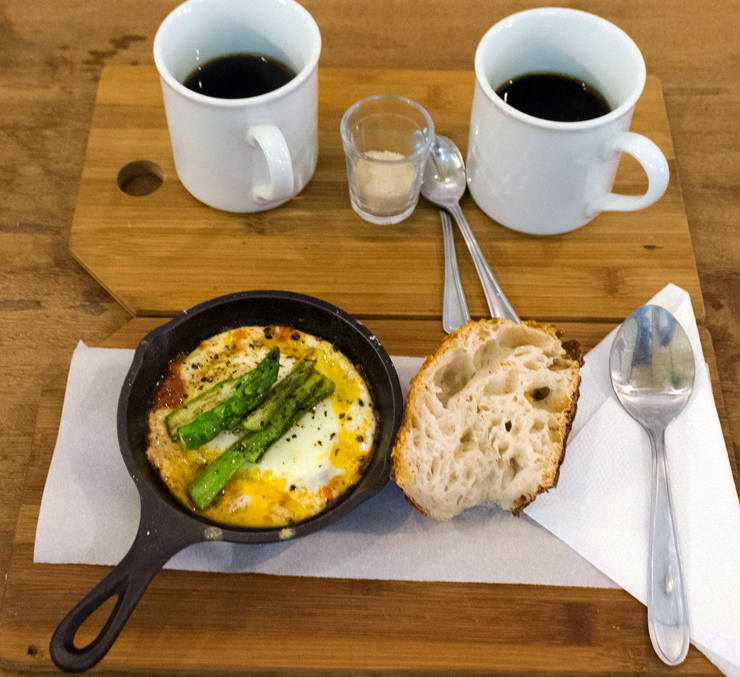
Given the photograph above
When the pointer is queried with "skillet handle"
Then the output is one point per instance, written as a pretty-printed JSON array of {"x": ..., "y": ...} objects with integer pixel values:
[{"x": 127, "y": 581}]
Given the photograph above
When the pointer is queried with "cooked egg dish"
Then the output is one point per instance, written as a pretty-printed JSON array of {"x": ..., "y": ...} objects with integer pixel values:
[{"x": 322, "y": 448}]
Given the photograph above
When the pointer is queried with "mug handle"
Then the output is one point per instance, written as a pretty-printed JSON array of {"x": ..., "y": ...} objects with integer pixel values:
[
  {"x": 652, "y": 161},
  {"x": 270, "y": 140}
]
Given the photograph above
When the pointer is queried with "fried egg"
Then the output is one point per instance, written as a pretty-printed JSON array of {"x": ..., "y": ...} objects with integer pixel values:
[{"x": 318, "y": 459}]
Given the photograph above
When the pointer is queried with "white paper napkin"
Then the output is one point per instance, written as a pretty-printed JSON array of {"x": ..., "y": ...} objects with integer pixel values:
[
  {"x": 602, "y": 504},
  {"x": 90, "y": 513},
  {"x": 90, "y": 510}
]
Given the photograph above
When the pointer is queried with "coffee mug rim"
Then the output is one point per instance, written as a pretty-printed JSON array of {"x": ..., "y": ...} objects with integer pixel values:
[
  {"x": 507, "y": 109},
  {"x": 304, "y": 74}
]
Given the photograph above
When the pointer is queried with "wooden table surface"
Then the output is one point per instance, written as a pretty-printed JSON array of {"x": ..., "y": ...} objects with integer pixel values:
[
  {"x": 157, "y": 254},
  {"x": 52, "y": 52}
]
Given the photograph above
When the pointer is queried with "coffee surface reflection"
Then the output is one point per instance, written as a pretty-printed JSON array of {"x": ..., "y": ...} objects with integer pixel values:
[
  {"x": 554, "y": 96},
  {"x": 239, "y": 76}
]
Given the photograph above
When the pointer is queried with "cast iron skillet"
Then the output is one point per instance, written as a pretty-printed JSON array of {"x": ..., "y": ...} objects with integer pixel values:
[{"x": 166, "y": 527}]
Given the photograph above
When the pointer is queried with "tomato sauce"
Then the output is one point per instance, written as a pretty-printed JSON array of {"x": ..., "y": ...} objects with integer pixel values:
[
  {"x": 172, "y": 391},
  {"x": 282, "y": 334}
]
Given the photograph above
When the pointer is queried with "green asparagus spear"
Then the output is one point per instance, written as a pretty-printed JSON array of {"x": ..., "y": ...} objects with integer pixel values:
[
  {"x": 260, "y": 417},
  {"x": 226, "y": 415},
  {"x": 214, "y": 478},
  {"x": 207, "y": 485},
  {"x": 294, "y": 401},
  {"x": 189, "y": 411},
  {"x": 324, "y": 388},
  {"x": 253, "y": 446}
]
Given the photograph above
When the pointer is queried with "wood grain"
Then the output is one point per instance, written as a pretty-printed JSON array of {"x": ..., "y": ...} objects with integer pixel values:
[
  {"x": 52, "y": 55},
  {"x": 165, "y": 252},
  {"x": 335, "y": 626}
]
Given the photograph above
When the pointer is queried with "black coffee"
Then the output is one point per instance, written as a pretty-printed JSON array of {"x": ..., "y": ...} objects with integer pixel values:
[
  {"x": 553, "y": 96},
  {"x": 239, "y": 76}
]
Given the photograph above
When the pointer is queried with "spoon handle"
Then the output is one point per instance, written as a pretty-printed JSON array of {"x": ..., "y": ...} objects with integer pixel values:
[
  {"x": 667, "y": 611},
  {"x": 498, "y": 304},
  {"x": 454, "y": 307}
]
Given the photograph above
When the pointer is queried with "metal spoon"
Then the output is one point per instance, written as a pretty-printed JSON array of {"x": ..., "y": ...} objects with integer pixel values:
[
  {"x": 444, "y": 183},
  {"x": 652, "y": 371},
  {"x": 454, "y": 307}
]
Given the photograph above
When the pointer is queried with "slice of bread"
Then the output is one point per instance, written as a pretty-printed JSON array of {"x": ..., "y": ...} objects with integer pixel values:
[{"x": 487, "y": 418}]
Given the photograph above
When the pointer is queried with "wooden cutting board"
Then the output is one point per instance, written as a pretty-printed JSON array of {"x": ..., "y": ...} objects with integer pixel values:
[
  {"x": 236, "y": 624},
  {"x": 162, "y": 253}
]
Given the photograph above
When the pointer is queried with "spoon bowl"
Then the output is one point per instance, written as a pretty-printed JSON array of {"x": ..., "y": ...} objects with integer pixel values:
[
  {"x": 652, "y": 371},
  {"x": 444, "y": 182}
]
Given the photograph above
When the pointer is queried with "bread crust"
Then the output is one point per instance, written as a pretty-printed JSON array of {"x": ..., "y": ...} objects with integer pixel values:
[
  {"x": 575, "y": 352},
  {"x": 402, "y": 470}
]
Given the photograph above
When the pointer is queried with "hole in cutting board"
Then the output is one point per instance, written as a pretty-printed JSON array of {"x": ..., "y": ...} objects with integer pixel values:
[{"x": 140, "y": 178}]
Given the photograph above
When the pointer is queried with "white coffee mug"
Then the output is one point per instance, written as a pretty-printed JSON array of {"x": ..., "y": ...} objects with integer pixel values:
[
  {"x": 249, "y": 154},
  {"x": 545, "y": 177}
]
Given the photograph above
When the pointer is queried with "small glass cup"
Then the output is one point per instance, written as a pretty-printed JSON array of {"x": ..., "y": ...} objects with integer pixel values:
[{"x": 386, "y": 141}]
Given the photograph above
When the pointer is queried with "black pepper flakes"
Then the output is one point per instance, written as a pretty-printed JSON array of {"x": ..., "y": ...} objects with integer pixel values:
[
  {"x": 341, "y": 415},
  {"x": 332, "y": 436},
  {"x": 361, "y": 403},
  {"x": 268, "y": 333},
  {"x": 295, "y": 336}
]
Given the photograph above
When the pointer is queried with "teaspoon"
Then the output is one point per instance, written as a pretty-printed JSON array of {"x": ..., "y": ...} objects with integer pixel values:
[
  {"x": 444, "y": 183},
  {"x": 652, "y": 372}
]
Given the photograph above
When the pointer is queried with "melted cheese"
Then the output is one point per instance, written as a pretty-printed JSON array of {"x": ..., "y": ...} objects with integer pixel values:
[{"x": 313, "y": 464}]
